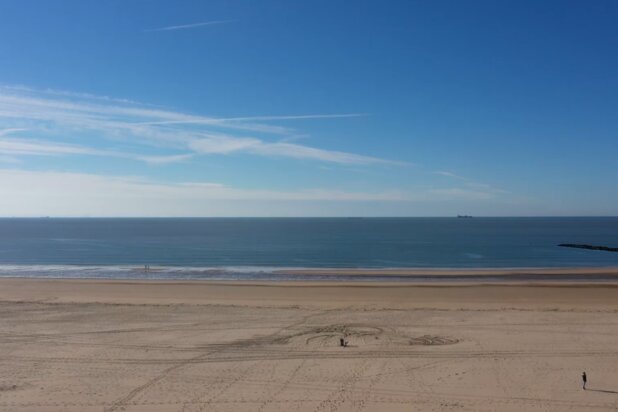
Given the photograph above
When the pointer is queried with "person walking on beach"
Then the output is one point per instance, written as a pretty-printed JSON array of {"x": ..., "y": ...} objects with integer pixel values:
[{"x": 584, "y": 379}]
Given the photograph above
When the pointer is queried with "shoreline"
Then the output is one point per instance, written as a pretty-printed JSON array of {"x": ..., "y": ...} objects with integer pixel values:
[
  {"x": 8, "y": 269},
  {"x": 311, "y": 276}
]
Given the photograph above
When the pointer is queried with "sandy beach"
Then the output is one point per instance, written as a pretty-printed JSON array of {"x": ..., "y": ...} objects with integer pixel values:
[{"x": 85, "y": 345}]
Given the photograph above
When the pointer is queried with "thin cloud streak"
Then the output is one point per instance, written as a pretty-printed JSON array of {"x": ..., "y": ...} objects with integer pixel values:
[
  {"x": 449, "y": 174},
  {"x": 222, "y": 120},
  {"x": 223, "y": 144},
  {"x": 30, "y": 147},
  {"x": 6, "y": 132},
  {"x": 294, "y": 117},
  {"x": 11, "y": 147},
  {"x": 64, "y": 93},
  {"x": 478, "y": 187},
  {"x": 241, "y": 123},
  {"x": 161, "y": 160},
  {"x": 63, "y": 113},
  {"x": 192, "y": 25}
]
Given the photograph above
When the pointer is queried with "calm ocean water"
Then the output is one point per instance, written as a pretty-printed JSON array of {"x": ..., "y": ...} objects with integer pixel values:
[{"x": 252, "y": 248}]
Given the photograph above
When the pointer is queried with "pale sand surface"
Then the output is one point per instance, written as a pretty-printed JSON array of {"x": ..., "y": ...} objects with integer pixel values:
[{"x": 69, "y": 345}]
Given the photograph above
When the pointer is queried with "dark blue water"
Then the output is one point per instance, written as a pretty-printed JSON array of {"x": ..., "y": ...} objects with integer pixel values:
[{"x": 215, "y": 248}]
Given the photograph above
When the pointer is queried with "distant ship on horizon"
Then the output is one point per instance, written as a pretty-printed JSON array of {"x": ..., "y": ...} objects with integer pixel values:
[{"x": 464, "y": 217}]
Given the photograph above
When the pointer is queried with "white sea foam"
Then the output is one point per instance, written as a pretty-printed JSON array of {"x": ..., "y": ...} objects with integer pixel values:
[{"x": 261, "y": 273}]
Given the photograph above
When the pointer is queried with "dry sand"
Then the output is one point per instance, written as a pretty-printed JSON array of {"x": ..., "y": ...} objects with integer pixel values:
[{"x": 69, "y": 345}]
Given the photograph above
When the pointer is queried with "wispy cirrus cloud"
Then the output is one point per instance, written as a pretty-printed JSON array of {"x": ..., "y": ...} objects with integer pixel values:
[
  {"x": 112, "y": 120},
  {"x": 261, "y": 118},
  {"x": 297, "y": 117},
  {"x": 10, "y": 148},
  {"x": 161, "y": 160},
  {"x": 449, "y": 174},
  {"x": 30, "y": 147},
  {"x": 5, "y": 132},
  {"x": 67, "y": 94},
  {"x": 472, "y": 187},
  {"x": 192, "y": 25},
  {"x": 222, "y": 144}
]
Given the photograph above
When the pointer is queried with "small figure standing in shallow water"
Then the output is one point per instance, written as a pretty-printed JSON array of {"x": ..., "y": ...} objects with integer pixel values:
[{"x": 584, "y": 380}]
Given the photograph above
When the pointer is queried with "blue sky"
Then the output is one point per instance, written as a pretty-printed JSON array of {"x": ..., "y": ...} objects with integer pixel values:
[{"x": 321, "y": 108}]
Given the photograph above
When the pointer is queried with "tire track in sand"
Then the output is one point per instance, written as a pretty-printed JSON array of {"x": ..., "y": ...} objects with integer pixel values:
[
  {"x": 119, "y": 403},
  {"x": 343, "y": 392},
  {"x": 283, "y": 387}
]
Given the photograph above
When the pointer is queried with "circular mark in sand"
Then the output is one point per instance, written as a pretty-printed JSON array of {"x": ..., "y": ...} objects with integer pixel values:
[
  {"x": 429, "y": 340},
  {"x": 360, "y": 335}
]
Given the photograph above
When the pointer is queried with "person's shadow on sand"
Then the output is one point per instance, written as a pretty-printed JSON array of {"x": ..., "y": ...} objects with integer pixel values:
[{"x": 601, "y": 390}]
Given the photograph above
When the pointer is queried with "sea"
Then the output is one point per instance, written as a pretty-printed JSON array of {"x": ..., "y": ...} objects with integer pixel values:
[{"x": 261, "y": 248}]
